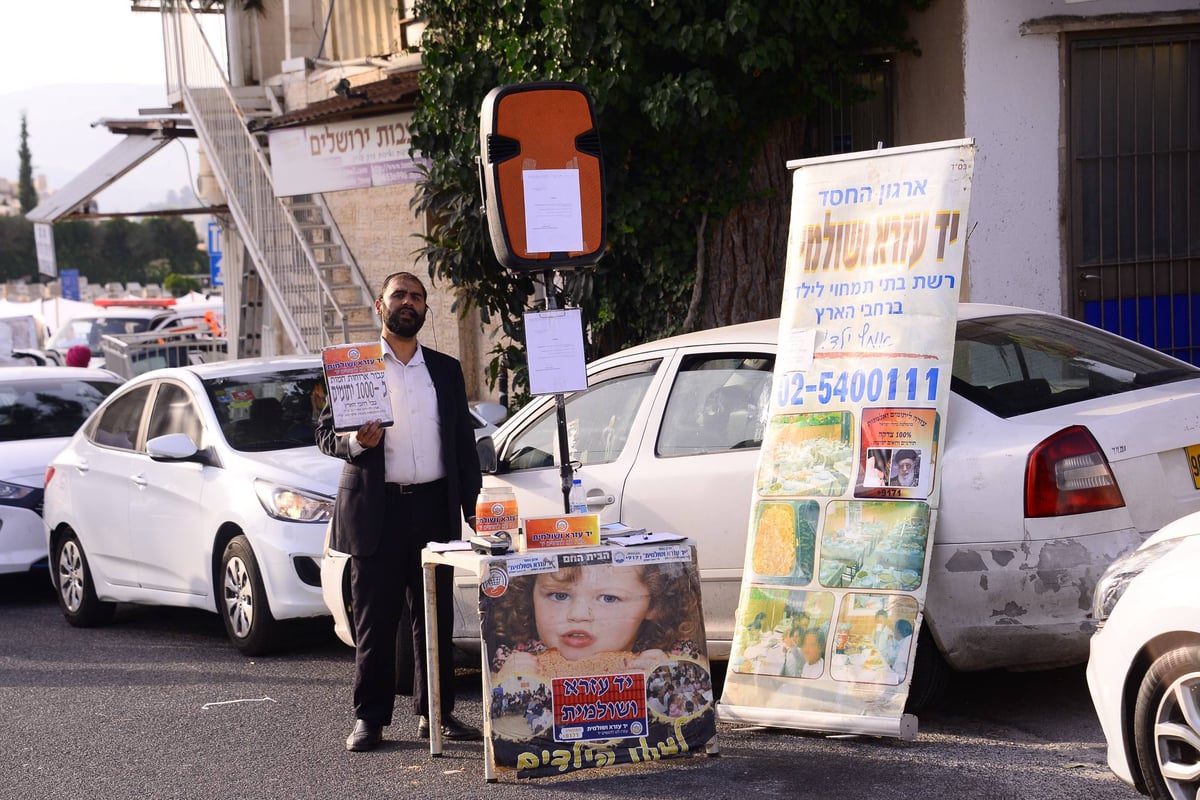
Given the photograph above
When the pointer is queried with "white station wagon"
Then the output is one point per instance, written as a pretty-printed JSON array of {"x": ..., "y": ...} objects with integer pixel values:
[{"x": 1065, "y": 447}]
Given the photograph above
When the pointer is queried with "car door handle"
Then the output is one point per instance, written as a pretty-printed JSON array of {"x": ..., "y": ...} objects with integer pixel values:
[
  {"x": 601, "y": 500},
  {"x": 81, "y": 466},
  {"x": 140, "y": 481}
]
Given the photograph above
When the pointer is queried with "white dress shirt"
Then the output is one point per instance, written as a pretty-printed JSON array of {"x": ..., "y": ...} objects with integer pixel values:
[{"x": 412, "y": 446}]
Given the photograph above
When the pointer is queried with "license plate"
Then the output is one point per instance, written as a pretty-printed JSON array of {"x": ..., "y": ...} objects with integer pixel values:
[{"x": 1193, "y": 457}]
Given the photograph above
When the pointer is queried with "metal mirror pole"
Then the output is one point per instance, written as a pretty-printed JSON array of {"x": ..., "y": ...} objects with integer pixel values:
[{"x": 560, "y": 408}]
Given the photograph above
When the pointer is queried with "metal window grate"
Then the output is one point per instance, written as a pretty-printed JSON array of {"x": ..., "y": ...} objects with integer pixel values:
[{"x": 1134, "y": 137}]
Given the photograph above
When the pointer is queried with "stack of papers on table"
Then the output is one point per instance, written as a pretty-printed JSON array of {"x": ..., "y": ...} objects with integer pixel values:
[
  {"x": 619, "y": 529},
  {"x": 646, "y": 538},
  {"x": 449, "y": 547}
]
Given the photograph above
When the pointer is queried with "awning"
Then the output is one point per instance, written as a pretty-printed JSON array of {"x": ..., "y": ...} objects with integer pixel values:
[
  {"x": 143, "y": 138},
  {"x": 394, "y": 93}
]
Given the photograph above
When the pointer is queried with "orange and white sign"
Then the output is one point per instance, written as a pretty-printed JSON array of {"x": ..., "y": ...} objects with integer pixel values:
[
  {"x": 565, "y": 530},
  {"x": 357, "y": 385}
]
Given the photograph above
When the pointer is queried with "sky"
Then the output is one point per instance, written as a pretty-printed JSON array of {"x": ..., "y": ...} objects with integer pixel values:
[{"x": 68, "y": 63}]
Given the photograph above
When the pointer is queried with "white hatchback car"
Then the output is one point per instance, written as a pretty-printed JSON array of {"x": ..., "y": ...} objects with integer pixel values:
[
  {"x": 1144, "y": 670},
  {"x": 1065, "y": 447},
  {"x": 40, "y": 408},
  {"x": 196, "y": 486}
]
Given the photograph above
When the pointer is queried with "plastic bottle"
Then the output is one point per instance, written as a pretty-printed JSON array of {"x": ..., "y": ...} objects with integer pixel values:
[
  {"x": 578, "y": 498},
  {"x": 496, "y": 510}
]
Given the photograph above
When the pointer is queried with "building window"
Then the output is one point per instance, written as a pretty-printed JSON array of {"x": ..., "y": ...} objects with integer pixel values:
[
  {"x": 860, "y": 117},
  {"x": 1133, "y": 129}
]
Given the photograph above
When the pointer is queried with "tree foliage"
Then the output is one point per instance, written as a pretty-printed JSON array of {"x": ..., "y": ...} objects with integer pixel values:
[
  {"x": 685, "y": 92},
  {"x": 112, "y": 250},
  {"x": 26, "y": 193}
]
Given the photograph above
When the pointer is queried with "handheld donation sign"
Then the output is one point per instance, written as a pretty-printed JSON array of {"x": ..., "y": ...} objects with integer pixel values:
[
  {"x": 845, "y": 497},
  {"x": 595, "y": 657},
  {"x": 357, "y": 385}
]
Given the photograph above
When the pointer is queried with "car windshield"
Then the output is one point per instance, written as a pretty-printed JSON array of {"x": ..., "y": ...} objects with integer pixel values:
[
  {"x": 1020, "y": 363},
  {"x": 48, "y": 408},
  {"x": 269, "y": 410},
  {"x": 88, "y": 330}
]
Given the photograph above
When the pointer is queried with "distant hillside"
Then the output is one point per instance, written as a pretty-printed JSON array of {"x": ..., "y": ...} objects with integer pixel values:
[{"x": 63, "y": 143}]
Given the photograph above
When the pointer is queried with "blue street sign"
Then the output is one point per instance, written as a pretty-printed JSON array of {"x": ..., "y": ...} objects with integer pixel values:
[
  {"x": 215, "y": 252},
  {"x": 70, "y": 284}
]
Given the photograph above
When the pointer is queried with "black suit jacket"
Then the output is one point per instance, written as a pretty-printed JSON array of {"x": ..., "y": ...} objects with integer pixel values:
[{"x": 359, "y": 519}]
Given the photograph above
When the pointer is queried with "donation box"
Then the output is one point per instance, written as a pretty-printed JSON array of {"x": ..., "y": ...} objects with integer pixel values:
[{"x": 595, "y": 656}]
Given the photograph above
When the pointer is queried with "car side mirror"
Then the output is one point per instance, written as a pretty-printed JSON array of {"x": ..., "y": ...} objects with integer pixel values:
[
  {"x": 492, "y": 412},
  {"x": 488, "y": 462},
  {"x": 172, "y": 447}
]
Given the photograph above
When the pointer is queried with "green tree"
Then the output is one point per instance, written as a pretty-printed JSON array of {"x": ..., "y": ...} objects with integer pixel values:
[
  {"x": 26, "y": 194},
  {"x": 179, "y": 285},
  {"x": 174, "y": 240},
  {"x": 111, "y": 250},
  {"x": 687, "y": 94},
  {"x": 18, "y": 257}
]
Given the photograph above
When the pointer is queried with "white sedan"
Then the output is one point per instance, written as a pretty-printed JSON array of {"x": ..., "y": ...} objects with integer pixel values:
[
  {"x": 1065, "y": 447},
  {"x": 40, "y": 408},
  {"x": 201, "y": 487},
  {"x": 1144, "y": 670}
]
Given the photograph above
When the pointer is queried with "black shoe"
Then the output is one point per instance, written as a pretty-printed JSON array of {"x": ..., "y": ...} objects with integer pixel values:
[
  {"x": 452, "y": 729},
  {"x": 365, "y": 736}
]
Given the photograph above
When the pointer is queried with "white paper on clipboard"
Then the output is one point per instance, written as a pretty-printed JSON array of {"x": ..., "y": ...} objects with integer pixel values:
[{"x": 554, "y": 344}]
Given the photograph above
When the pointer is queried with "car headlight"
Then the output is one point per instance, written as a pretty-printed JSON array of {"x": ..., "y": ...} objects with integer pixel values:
[
  {"x": 293, "y": 505},
  {"x": 14, "y": 492},
  {"x": 1116, "y": 578}
]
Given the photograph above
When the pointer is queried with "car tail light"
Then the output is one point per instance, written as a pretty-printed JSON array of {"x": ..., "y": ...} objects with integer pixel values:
[
  {"x": 49, "y": 475},
  {"x": 1068, "y": 474}
]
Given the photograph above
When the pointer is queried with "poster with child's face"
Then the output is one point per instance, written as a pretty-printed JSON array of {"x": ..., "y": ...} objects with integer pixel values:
[{"x": 596, "y": 657}]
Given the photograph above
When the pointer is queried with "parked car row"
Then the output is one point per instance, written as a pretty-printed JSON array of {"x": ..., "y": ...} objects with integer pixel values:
[
  {"x": 122, "y": 318},
  {"x": 1065, "y": 448}
]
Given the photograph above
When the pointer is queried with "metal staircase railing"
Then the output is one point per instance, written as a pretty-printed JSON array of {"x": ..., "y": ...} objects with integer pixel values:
[{"x": 304, "y": 295}]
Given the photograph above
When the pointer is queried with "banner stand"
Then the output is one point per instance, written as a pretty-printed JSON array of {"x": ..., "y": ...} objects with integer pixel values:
[
  {"x": 903, "y": 727},
  {"x": 845, "y": 496}
]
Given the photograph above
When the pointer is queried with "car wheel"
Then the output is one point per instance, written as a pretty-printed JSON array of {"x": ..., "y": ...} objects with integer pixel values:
[
  {"x": 1166, "y": 724},
  {"x": 75, "y": 590},
  {"x": 931, "y": 674},
  {"x": 243, "y": 600}
]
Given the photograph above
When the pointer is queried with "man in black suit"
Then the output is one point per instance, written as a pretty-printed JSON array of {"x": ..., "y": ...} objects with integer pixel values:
[{"x": 400, "y": 488}]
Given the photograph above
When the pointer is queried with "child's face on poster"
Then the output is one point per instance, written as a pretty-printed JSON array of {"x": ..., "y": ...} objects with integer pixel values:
[{"x": 599, "y": 612}]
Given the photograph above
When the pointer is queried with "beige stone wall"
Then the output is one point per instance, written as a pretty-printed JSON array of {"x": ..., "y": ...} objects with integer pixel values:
[
  {"x": 930, "y": 89},
  {"x": 381, "y": 230}
]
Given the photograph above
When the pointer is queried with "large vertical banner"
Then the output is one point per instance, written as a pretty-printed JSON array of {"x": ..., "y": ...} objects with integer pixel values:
[
  {"x": 846, "y": 491},
  {"x": 596, "y": 657}
]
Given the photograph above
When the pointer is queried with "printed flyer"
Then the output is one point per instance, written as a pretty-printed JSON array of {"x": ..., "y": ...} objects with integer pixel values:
[
  {"x": 357, "y": 385},
  {"x": 846, "y": 492},
  {"x": 596, "y": 657}
]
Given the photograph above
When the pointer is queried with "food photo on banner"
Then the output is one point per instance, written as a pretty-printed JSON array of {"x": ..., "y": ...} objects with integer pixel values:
[
  {"x": 845, "y": 496},
  {"x": 596, "y": 658}
]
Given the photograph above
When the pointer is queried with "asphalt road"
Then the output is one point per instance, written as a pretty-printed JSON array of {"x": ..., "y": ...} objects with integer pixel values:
[{"x": 158, "y": 705}]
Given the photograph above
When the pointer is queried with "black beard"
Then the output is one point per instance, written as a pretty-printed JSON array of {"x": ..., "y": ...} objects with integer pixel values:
[{"x": 404, "y": 328}]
